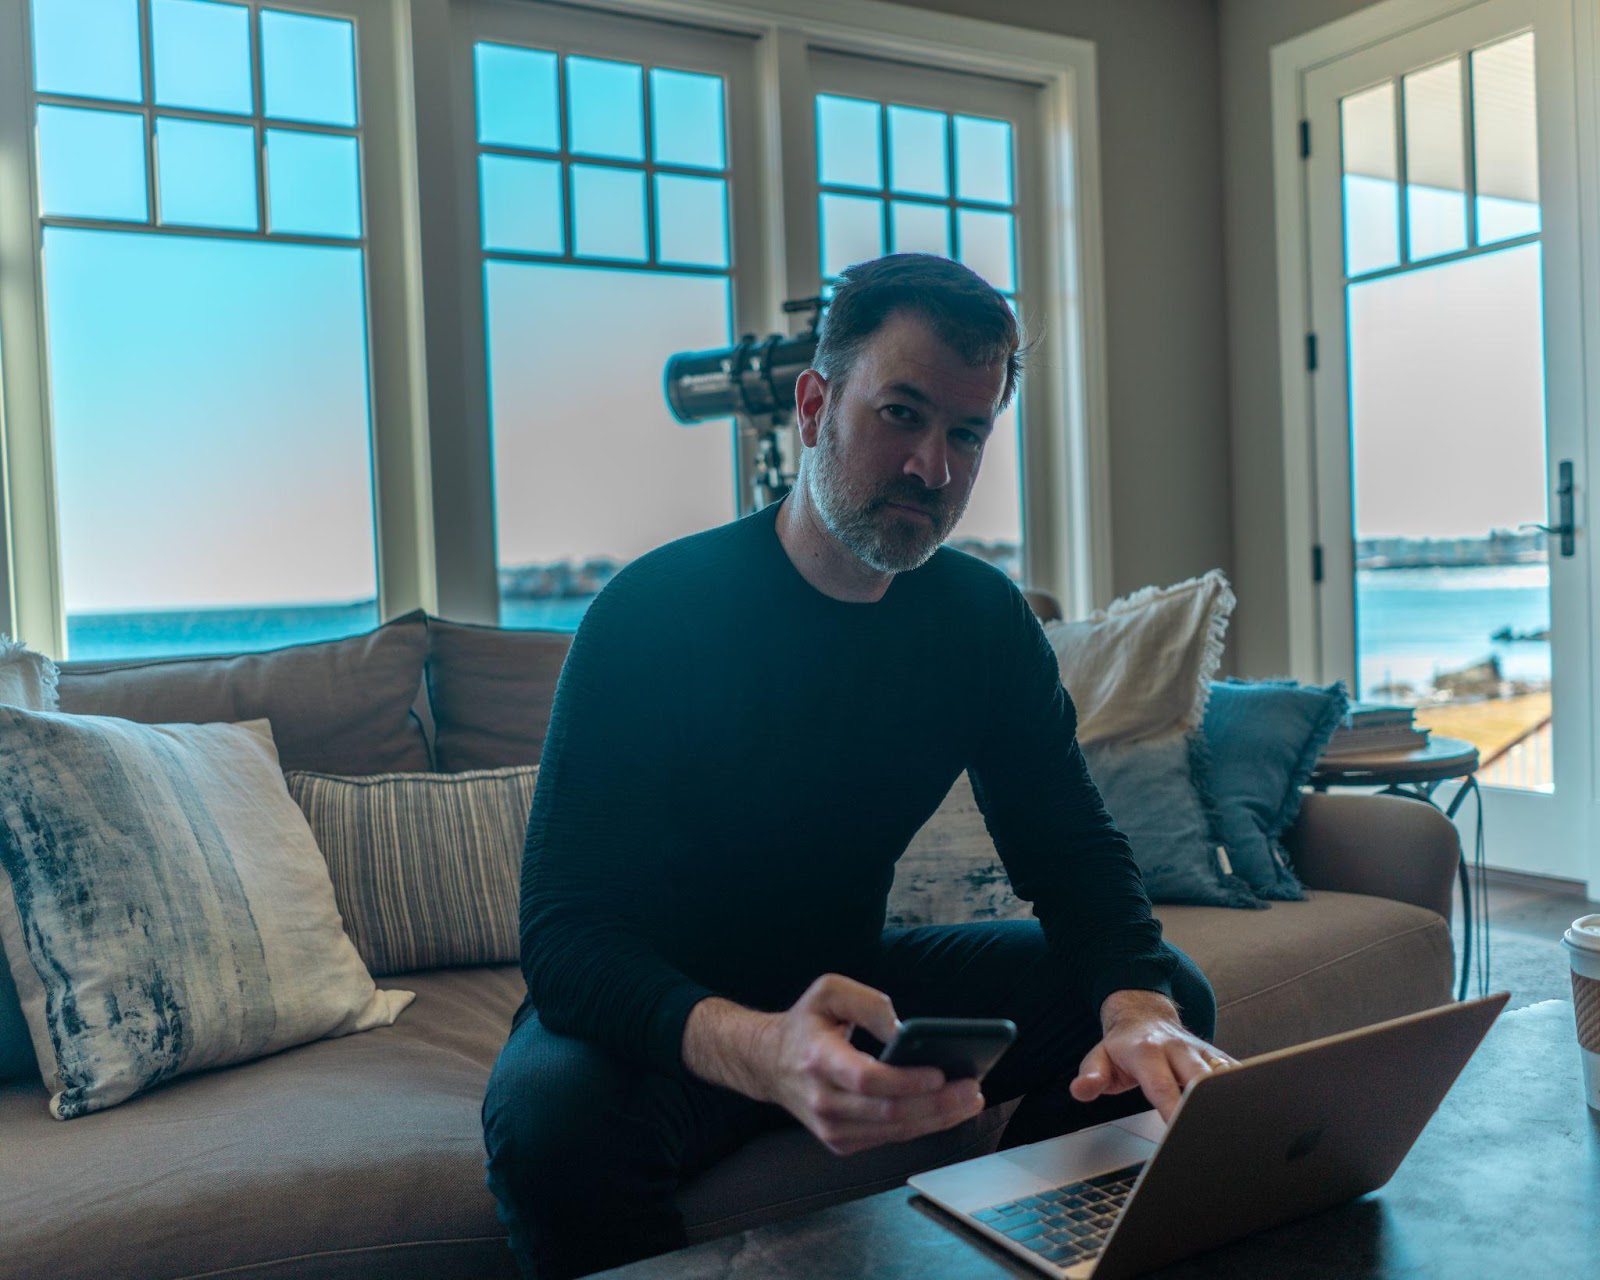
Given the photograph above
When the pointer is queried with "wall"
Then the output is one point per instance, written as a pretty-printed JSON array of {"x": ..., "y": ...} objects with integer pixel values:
[
  {"x": 1259, "y": 639},
  {"x": 1165, "y": 323}
]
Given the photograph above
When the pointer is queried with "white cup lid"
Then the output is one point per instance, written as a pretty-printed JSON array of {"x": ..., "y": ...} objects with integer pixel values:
[{"x": 1585, "y": 933}]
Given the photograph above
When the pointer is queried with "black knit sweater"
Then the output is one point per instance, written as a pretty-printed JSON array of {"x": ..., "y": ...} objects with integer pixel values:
[{"x": 735, "y": 761}]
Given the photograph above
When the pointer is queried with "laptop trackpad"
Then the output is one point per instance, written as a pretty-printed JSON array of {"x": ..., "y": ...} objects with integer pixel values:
[{"x": 1081, "y": 1155}]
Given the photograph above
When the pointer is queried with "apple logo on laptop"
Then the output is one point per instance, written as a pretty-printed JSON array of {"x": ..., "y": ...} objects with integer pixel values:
[{"x": 1305, "y": 1144}]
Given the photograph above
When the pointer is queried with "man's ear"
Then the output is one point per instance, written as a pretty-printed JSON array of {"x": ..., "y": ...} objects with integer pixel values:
[{"x": 810, "y": 404}]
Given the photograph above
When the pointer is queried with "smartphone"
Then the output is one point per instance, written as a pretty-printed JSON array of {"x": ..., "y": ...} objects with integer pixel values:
[{"x": 963, "y": 1048}]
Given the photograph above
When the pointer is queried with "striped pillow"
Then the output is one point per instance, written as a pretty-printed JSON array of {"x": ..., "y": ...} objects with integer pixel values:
[{"x": 425, "y": 866}]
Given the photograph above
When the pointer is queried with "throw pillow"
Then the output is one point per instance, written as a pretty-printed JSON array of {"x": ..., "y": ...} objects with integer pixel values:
[
  {"x": 164, "y": 907},
  {"x": 1142, "y": 667},
  {"x": 27, "y": 680},
  {"x": 950, "y": 873},
  {"x": 1155, "y": 791},
  {"x": 1264, "y": 739},
  {"x": 426, "y": 867}
]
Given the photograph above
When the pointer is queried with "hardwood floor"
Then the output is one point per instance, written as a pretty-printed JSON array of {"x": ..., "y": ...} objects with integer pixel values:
[{"x": 1527, "y": 916}]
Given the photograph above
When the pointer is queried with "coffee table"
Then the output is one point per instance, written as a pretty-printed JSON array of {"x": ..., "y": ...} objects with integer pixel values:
[{"x": 1505, "y": 1181}]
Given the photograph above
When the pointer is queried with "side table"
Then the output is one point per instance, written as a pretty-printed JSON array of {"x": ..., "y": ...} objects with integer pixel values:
[{"x": 1417, "y": 774}]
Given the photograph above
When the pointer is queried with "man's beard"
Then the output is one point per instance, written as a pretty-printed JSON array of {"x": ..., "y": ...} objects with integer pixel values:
[{"x": 862, "y": 519}]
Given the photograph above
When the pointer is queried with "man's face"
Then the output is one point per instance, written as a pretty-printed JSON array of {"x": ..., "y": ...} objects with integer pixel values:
[{"x": 899, "y": 443}]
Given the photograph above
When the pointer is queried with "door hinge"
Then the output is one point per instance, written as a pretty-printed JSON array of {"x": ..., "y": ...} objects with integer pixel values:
[
  {"x": 1305, "y": 139},
  {"x": 1316, "y": 563},
  {"x": 1311, "y": 353}
]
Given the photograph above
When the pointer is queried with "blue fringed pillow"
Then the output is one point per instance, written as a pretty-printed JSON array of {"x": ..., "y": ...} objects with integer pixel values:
[
  {"x": 1263, "y": 739},
  {"x": 1156, "y": 792}
]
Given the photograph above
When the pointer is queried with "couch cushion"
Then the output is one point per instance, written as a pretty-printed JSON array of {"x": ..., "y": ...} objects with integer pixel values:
[
  {"x": 490, "y": 690},
  {"x": 1307, "y": 969},
  {"x": 355, "y": 1157},
  {"x": 340, "y": 706}
]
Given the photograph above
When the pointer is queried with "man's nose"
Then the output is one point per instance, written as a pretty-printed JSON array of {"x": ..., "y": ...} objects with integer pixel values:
[{"x": 930, "y": 461}]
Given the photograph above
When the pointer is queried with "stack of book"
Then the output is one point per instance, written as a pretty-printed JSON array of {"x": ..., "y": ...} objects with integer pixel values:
[{"x": 1375, "y": 728}]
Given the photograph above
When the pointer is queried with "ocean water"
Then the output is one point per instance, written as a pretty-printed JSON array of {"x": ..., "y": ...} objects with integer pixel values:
[
  {"x": 1414, "y": 624},
  {"x": 158, "y": 633}
]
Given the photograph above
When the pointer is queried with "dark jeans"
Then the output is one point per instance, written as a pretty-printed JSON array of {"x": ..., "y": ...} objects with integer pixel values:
[{"x": 586, "y": 1152}]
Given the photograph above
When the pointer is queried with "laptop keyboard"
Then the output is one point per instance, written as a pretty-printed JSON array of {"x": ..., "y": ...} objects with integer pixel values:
[{"x": 1068, "y": 1224}]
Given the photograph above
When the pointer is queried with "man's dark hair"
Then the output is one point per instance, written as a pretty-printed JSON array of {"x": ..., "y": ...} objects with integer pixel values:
[{"x": 965, "y": 312}]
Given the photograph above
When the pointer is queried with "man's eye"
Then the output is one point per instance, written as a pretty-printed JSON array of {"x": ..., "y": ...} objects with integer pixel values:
[
  {"x": 970, "y": 439},
  {"x": 900, "y": 413}
]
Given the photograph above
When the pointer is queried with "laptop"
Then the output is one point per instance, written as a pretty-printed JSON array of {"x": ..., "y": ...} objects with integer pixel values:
[{"x": 1275, "y": 1138}]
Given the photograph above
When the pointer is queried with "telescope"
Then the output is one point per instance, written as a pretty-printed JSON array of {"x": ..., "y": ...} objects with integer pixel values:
[{"x": 753, "y": 381}]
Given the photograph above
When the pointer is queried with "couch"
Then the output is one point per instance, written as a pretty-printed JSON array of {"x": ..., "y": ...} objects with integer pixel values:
[{"x": 363, "y": 1156}]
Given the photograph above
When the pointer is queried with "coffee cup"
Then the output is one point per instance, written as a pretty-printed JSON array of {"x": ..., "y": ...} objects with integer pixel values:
[{"x": 1583, "y": 949}]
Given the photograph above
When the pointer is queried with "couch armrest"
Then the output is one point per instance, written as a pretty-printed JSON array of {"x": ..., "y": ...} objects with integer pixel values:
[{"x": 1387, "y": 846}]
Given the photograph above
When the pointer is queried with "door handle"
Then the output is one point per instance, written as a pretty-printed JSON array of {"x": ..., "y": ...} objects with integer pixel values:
[{"x": 1566, "y": 528}]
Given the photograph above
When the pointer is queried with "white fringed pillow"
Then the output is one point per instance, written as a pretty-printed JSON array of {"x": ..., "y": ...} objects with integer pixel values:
[
  {"x": 27, "y": 679},
  {"x": 1142, "y": 667}
]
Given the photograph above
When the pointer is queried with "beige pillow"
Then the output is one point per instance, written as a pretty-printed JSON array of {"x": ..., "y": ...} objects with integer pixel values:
[
  {"x": 27, "y": 679},
  {"x": 1142, "y": 666},
  {"x": 163, "y": 906}
]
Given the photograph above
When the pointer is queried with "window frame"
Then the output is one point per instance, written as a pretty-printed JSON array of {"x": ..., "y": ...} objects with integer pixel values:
[
  {"x": 433, "y": 487},
  {"x": 32, "y": 604}
]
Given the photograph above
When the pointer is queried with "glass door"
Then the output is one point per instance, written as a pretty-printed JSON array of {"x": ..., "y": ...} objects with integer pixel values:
[{"x": 1448, "y": 405}]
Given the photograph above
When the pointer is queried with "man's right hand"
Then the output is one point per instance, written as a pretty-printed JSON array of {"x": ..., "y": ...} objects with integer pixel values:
[{"x": 803, "y": 1061}]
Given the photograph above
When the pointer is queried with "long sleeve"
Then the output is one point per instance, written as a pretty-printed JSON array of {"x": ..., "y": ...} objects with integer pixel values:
[
  {"x": 1060, "y": 847},
  {"x": 597, "y": 861}
]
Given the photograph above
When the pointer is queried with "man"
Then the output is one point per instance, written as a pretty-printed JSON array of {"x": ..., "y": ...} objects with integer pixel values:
[{"x": 751, "y": 725}]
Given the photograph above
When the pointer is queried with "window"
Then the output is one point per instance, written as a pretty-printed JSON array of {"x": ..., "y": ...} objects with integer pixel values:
[
  {"x": 199, "y": 179},
  {"x": 606, "y": 242},
  {"x": 292, "y": 346},
  {"x": 912, "y": 160}
]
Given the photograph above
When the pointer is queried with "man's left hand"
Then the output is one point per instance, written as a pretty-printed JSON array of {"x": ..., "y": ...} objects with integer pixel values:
[{"x": 1146, "y": 1046}]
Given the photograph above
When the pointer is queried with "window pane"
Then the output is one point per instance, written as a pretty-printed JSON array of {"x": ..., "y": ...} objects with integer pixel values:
[
  {"x": 919, "y": 228},
  {"x": 1371, "y": 181},
  {"x": 693, "y": 221},
  {"x": 308, "y": 68},
  {"x": 918, "y": 152},
  {"x": 605, "y": 106},
  {"x": 313, "y": 184},
  {"x": 87, "y": 48},
  {"x": 686, "y": 119},
  {"x": 608, "y": 213},
  {"x": 590, "y": 472},
  {"x": 852, "y": 231},
  {"x": 991, "y": 527},
  {"x": 987, "y": 245},
  {"x": 517, "y": 97},
  {"x": 206, "y": 174},
  {"x": 521, "y": 204},
  {"x": 983, "y": 160},
  {"x": 210, "y": 411},
  {"x": 202, "y": 55},
  {"x": 849, "y": 142},
  {"x": 1505, "y": 139},
  {"x": 91, "y": 164},
  {"x": 1436, "y": 178},
  {"x": 1448, "y": 441}
]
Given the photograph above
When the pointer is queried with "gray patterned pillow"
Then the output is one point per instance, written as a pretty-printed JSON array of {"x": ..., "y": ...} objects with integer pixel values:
[
  {"x": 425, "y": 866},
  {"x": 164, "y": 908},
  {"x": 950, "y": 872}
]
